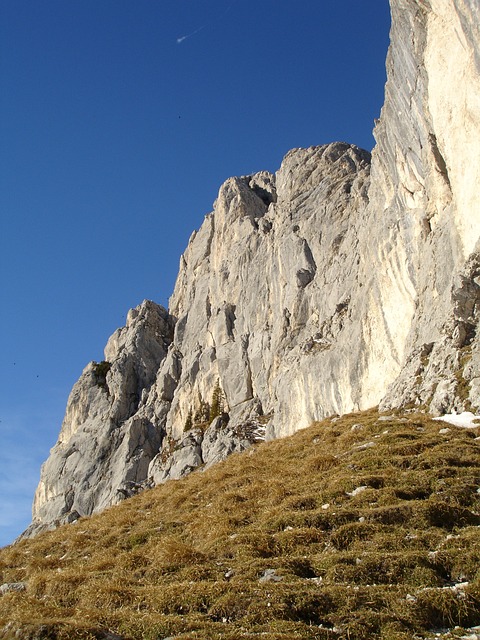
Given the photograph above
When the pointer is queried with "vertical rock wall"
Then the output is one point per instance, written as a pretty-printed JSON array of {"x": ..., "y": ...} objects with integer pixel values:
[
  {"x": 105, "y": 445},
  {"x": 264, "y": 291},
  {"x": 425, "y": 172}
]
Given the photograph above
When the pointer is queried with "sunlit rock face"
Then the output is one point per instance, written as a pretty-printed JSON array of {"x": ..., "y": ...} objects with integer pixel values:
[
  {"x": 425, "y": 176},
  {"x": 264, "y": 294},
  {"x": 340, "y": 282}
]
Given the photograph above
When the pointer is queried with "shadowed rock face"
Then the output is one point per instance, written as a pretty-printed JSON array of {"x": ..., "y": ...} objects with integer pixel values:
[
  {"x": 340, "y": 282},
  {"x": 105, "y": 446}
]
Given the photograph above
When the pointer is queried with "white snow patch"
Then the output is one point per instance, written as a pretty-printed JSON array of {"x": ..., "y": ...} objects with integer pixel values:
[
  {"x": 270, "y": 575},
  {"x": 364, "y": 446},
  {"x": 356, "y": 491},
  {"x": 460, "y": 585},
  {"x": 465, "y": 419}
]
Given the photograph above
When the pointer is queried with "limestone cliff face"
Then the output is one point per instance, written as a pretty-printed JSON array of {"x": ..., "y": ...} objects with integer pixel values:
[
  {"x": 425, "y": 177},
  {"x": 340, "y": 282},
  {"x": 263, "y": 297},
  {"x": 104, "y": 447}
]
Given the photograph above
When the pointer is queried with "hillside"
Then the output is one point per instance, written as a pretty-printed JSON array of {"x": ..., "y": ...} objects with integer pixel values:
[{"x": 362, "y": 526}]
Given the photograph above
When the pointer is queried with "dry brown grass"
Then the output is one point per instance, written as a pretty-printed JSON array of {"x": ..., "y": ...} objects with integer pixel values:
[{"x": 186, "y": 559}]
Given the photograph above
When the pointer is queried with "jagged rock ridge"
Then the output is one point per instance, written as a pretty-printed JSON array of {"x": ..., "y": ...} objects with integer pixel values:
[{"x": 339, "y": 282}]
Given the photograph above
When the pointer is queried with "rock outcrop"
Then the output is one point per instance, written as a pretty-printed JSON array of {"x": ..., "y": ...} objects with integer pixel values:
[
  {"x": 341, "y": 282},
  {"x": 105, "y": 446}
]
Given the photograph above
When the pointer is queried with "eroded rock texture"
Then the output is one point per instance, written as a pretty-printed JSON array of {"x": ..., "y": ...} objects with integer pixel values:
[
  {"x": 105, "y": 444},
  {"x": 340, "y": 282},
  {"x": 425, "y": 177}
]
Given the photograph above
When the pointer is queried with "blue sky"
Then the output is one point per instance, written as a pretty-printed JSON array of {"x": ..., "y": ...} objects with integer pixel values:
[{"x": 114, "y": 140}]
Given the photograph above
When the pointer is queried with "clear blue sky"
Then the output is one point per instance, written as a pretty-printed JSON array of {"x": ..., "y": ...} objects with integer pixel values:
[{"x": 115, "y": 135}]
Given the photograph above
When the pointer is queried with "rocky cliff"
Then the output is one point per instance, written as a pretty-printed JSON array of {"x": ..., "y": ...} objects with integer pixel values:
[{"x": 341, "y": 282}]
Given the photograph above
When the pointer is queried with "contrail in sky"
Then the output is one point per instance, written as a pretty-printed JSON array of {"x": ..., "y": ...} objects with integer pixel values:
[{"x": 189, "y": 35}]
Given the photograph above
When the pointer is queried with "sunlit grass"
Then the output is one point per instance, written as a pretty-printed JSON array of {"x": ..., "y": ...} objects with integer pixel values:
[{"x": 363, "y": 527}]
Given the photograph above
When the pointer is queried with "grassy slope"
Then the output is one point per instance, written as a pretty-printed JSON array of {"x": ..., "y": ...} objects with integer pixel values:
[{"x": 186, "y": 559}]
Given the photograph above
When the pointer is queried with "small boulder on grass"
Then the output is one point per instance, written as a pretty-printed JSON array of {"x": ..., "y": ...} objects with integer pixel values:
[{"x": 6, "y": 587}]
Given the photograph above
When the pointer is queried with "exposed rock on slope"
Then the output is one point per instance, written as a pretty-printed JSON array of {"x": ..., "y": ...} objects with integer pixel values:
[
  {"x": 105, "y": 446},
  {"x": 328, "y": 287}
]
